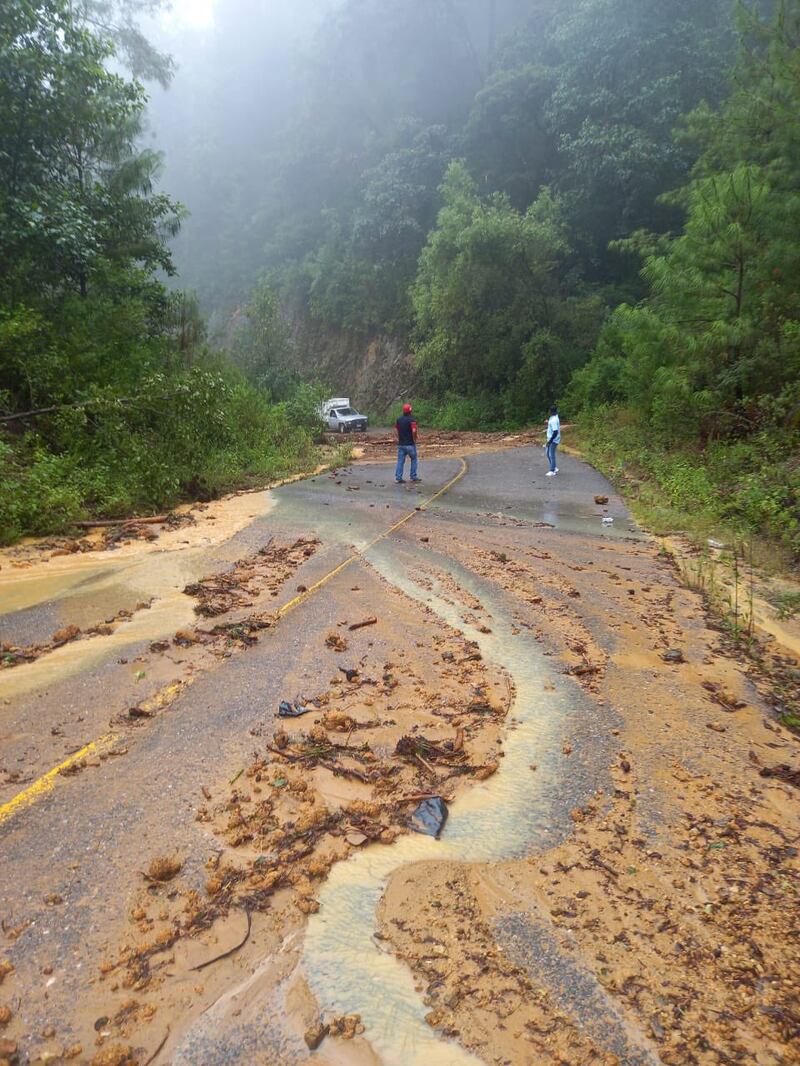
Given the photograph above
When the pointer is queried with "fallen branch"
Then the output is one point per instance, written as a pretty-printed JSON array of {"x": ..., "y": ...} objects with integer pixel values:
[
  {"x": 361, "y": 625},
  {"x": 159, "y": 1049},
  {"x": 417, "y": 797},
  {"x": 230, "y": 951},
  {"x": 102, "y": 523},
  {"x": 595, "y": 857},
  {"x": 345, "y": 771}
]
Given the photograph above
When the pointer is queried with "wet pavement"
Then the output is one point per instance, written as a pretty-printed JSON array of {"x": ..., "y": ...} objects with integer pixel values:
[
  {"x": 78, "y": 840},
  {"x": 85, "y": 838}
]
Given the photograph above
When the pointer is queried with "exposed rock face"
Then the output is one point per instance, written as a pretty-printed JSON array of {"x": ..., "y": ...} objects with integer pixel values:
[{"x": 374, "y": 370}]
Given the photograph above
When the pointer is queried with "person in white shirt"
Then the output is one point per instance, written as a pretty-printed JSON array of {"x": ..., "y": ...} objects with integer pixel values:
[{"x": 553, "y": 440}]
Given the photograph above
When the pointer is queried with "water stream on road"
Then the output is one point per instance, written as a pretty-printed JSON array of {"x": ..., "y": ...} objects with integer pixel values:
[{"x": 508, "y": 815}]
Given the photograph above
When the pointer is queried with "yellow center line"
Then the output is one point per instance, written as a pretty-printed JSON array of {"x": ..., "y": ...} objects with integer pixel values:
[
  {"x": 359, "y": 554},
  {"x": 165, "y": 696},
  {"x": 47, "y": 782}
]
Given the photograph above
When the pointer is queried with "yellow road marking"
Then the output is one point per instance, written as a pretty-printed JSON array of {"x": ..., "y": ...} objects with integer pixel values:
[
  {"x": 165, "y": 696},
  {"x": 381, "y": 536},
  {"x": 47, "y": 783}
]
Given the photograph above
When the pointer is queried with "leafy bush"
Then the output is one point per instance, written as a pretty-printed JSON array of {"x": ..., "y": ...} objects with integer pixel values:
[{"x": 194, "y": 434}]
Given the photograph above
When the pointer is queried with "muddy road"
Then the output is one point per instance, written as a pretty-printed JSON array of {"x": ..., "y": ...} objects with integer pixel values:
[{"x": 191, "y": 875}]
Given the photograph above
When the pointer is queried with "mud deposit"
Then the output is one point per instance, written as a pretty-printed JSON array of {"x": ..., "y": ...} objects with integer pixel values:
[{"x": 232, "y": 877}]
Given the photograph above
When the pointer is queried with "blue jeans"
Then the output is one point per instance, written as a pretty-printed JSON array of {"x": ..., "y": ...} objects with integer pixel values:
[
  {"x": 404, "y": 450},
  {"x": 551, "y": 454}
]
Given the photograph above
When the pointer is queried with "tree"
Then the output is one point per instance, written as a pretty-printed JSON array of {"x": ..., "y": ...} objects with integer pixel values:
[
  {"x": 118, "y": 20},
  {"x": 717, "y": 338},
  {"x": 261, "y": 343},
  {"x": 76, "y": 201},
  {"x": 492, "y": 299}
]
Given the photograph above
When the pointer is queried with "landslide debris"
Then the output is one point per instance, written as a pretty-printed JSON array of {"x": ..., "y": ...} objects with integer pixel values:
[
  {"x": 263, "y": 572},
  {"x": 346, "y": 775}
]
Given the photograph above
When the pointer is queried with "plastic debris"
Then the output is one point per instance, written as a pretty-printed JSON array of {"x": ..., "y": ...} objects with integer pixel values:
[
  {"x": 429, "y": 817},
  {"x": 287, "y": 710},
  {"x": 608, "y": 520}
]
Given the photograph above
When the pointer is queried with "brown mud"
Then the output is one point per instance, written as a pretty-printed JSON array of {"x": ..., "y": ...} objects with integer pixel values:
[
  {"x": 675, "y": 896},
  {"x": 390, "y": 728},
  {"x": 653, "y": 919}
]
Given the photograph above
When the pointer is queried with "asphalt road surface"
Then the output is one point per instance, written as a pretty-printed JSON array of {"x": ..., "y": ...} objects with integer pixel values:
[{"x": 574, "y": 612}]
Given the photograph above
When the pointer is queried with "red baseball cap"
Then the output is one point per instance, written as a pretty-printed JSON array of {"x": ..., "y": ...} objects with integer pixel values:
[{"x": 406, "y": 408}]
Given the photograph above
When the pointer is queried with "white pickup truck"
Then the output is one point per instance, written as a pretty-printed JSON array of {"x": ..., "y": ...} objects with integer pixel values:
[{"x": 340, "y": 417}]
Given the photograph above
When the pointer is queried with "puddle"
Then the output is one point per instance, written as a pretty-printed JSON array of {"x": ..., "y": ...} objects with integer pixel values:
[
  {"x": 502, "y": 818},
  {"x": 172, "y": 612}
]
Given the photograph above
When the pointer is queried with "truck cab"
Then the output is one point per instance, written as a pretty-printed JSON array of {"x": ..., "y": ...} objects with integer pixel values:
[{"x": 340, "y": 417}]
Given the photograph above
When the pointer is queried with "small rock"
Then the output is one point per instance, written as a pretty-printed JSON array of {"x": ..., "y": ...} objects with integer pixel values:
[
  {"x": 164, "y": 869},
  {"x": 673, "y": 655},
  {"x": 61, "y": 636},
  {"x": 315, "y": 1034},
  {"x": 486, "y": 771}
]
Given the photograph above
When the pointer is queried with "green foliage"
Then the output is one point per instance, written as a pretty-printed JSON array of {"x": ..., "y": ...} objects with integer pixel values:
[
  {"x": 709, "y": 363},
  {"x": 261, "y": 344},
  {"x": 579, "y": 96},
  {"x": 493, "y": 303},
  {"x": 183, "y": 435},
  {"x": 111, "y": 401},
  {"x": 119, "y": 20},
  {"x": 729, "y": 489},
  {"x": 77, "y": 211}
]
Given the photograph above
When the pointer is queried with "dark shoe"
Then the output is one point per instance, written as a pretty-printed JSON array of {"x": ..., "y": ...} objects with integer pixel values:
[
  {"x": 399, "y": 481},
  {"x": 417, "y": 480}
]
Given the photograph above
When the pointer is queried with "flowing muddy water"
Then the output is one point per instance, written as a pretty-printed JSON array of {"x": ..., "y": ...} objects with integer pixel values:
[
  {"x": 84, "y": 589},
  {"x": 513, "y": 812}
]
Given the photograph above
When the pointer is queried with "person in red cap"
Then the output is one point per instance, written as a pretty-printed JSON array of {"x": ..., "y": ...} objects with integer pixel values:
[{"x": 406, "y": 431}]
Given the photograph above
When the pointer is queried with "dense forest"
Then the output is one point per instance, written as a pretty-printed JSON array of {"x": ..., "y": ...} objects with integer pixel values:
[
  {"x": 588, "y": 201},
  {"x": 110, "y": 401}
]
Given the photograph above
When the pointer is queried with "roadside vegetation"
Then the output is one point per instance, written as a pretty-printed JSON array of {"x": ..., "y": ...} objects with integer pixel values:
[
  {"x": 626, "y": 242},
  {"x": 111, "y": 400},
  {"x": 594, "y": 202}
]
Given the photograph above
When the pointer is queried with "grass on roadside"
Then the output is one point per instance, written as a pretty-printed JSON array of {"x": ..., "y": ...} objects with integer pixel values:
[{"x": 742, "y": 493}]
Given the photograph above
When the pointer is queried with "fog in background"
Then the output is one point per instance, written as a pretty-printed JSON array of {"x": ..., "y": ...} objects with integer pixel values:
[
  {"x": 278, "y": 113},
  {"x": 221, "y": 125}
]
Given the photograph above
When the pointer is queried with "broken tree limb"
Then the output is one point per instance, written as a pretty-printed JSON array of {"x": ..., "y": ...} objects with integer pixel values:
[
  {"x": 100, "y": 523},
  {"x": 345, "y": 771},
  {"x": 230, "y": 951},
  {"x": 361, "y": 625}
]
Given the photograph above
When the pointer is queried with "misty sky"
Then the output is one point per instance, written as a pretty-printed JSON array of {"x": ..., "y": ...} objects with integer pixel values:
[{"x": 199, "y": 13}]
